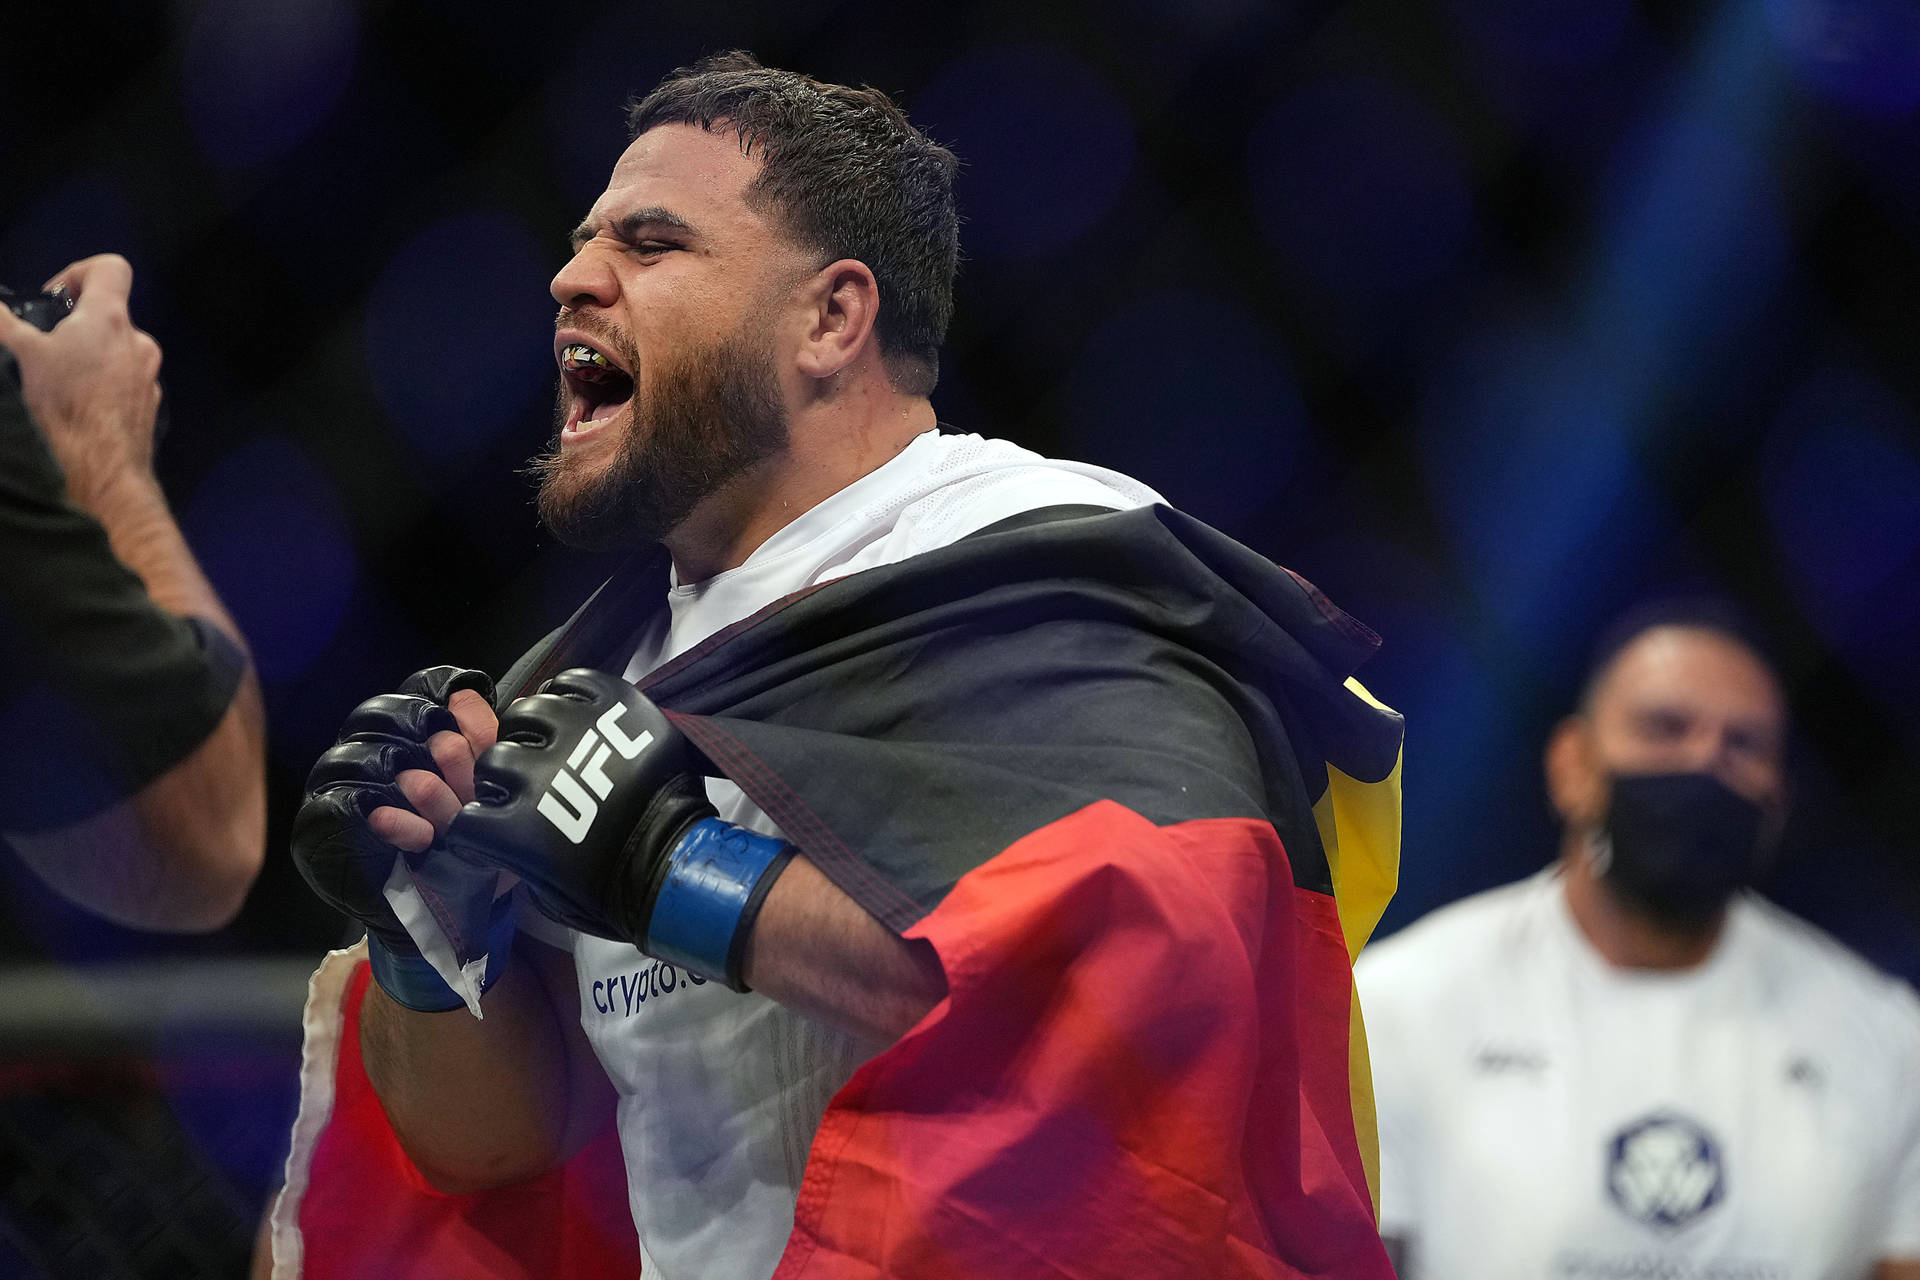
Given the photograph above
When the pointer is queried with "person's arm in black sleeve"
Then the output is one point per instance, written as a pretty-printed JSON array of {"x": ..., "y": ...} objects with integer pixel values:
[{"x": 132, "y": 773}]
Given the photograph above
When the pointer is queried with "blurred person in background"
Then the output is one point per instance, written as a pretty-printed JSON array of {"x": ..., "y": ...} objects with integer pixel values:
[
  {"x": 999, "y": 741},
  {"x": 1630, "y": 1064},
  {"x": 133, "y": 773}
]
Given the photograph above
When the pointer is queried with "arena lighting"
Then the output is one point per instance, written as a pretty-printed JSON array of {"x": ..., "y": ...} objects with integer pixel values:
[
  {"x": 1531, "y": 441},
  {"x": 1192, "y": 390},
  {"x": 1527, "y": 459},
  {"x": 1047, "y": 148},
  {"x": 270, "y": 535},
  {"x": 260, "y": 79},
  {"x": 458, "y": 338},
  {"x": 1841, "y": 483},
  {"x": 1694, "y": 242}
]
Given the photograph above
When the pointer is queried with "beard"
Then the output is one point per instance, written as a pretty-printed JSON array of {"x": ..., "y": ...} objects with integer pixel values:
[{"x": 693, "y": 426}]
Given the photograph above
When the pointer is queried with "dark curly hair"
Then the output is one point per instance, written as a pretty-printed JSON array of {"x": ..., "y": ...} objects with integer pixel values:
[{"x": 849, "y": 176}]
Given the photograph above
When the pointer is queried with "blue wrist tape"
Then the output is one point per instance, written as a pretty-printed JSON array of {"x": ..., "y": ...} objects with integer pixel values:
[
  {"x": 413, "y": 982},
  {"x": 717, "y": 876}
]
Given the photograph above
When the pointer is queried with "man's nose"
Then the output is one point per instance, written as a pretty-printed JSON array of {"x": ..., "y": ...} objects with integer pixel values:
[{"x": 585, "y": 281}]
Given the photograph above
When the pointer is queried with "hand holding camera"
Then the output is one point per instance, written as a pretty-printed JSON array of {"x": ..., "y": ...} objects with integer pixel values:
[{"x": 89, "y": 378}]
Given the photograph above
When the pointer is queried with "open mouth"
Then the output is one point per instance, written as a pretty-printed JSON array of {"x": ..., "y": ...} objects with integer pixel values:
[{"x": 597, "y": 387}]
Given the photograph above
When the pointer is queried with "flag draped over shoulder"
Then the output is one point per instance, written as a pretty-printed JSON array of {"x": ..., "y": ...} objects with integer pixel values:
[{"x": 1112, "y": 767}]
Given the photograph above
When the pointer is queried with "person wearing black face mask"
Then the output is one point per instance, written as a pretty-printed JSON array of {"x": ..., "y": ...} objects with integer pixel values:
[
  {"x": 1676, "y": 846},
  {"x": 1627, "y": 1064}
]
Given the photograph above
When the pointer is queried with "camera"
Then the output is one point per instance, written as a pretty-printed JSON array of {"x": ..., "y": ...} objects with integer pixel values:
[{"x": 41, "y": 310}]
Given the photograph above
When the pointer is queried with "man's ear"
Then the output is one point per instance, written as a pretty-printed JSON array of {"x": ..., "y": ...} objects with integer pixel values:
[
  {"x": 1576, "y": 782},
  {"x": 843, "y": 307}
]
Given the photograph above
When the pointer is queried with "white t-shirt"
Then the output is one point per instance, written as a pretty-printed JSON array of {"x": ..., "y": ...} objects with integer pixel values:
[
  {"x": 1546, "y": 1116},
  {"x": 720, "y": 1094}
]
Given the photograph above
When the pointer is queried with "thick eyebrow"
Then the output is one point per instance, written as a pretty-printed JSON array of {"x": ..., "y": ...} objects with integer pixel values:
[{"x": 631, "y": 226}]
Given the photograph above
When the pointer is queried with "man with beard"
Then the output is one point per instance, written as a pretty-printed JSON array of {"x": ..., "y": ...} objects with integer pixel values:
[
  {"x": 1628, "y": 1065},
  {"x": 972, "y": 720}
]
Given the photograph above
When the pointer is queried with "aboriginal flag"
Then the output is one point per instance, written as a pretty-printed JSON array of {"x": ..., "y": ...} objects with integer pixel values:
[{"x": 1114, "y": 768}]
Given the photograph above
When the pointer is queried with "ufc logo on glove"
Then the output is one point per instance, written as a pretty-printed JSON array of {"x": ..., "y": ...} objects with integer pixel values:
[
  {"x": 635, "y": 854},
  {"x": 566, "y": 803}
]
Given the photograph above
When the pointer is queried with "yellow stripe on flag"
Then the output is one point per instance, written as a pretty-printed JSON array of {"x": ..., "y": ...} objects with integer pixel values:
[{"x": 1359, "y": 826}]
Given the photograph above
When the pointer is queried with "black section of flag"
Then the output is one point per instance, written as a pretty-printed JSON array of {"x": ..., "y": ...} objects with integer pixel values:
[{"x": 907, "y": 723}]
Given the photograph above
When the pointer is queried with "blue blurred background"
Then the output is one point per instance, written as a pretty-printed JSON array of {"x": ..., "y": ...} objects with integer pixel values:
[{"x": 1491, "y": 317}]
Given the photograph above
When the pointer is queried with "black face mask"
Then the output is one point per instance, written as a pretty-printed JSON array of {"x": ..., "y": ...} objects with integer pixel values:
[{"x": 1677, "y": 845}]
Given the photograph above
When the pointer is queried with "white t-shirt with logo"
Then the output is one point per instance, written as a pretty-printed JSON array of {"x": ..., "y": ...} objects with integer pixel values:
[
  {"x": 720, "y": 1094},
  {"x": 1545, "y": 1116}
]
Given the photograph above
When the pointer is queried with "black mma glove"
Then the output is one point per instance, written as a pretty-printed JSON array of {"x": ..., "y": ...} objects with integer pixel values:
[
  {"x": 349, "y": 866},
  {"x": 590, "y": 795}
]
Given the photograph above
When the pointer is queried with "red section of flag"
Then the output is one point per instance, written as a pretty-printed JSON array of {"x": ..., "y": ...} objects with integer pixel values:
[
  {"x": 1141, "y": 1070},
  {"x": 368, "y": 1215}
]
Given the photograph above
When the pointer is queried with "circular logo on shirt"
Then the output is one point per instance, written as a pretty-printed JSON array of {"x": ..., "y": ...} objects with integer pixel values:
[{"x": 1664, "y": 1170}]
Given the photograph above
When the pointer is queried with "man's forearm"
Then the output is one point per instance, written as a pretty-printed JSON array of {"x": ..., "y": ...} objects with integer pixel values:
[
  {"x": 181, "y": 853},
  {"x": 816, "y": 950},
  {"x": 482, "y": 1103},
  {"x": 206, "y": 816},
  {"x": 205, "y": 819},
  {"x": 145, "y": 538}
]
